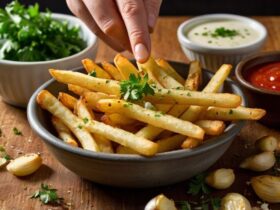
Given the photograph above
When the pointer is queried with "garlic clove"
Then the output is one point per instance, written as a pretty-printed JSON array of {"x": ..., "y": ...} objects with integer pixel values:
[
  {"x": 267, "y": 188},
  {"x": 220, "y": 179},
  {"x": 160, "y": 202},
  {"x": 259, "y": 162},
  {"x": 267, "y": 144},
  {"x": 235, "y": 201},
  {"x": 25, "y": 165}
]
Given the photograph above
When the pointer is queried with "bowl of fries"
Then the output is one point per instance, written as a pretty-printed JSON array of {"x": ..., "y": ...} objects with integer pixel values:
[{"x": 149, "y": 126}]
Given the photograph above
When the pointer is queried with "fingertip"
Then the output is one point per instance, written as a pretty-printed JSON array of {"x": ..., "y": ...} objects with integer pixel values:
[{"x": 141, "y": 53}]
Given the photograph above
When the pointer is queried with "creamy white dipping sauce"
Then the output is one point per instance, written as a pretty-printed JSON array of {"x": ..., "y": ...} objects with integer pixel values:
[{"x": 223, "y": 34}]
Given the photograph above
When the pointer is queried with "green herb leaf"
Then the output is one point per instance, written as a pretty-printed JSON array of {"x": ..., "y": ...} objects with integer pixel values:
[
  {"x": 93, "y": 74},
  {"x": 215, "y": 203},
  {"x": 197, "y": 185},
  {"x": 185, "y": 205},
  {"x": 47, "y": 195},
  {"x": 85, "y": 120},
  {"x": 224, "y": 32},
  {"x": 17, "y": 131},
  {"x": 28, "y": 35},
  {"x": 135, "y": 88}
]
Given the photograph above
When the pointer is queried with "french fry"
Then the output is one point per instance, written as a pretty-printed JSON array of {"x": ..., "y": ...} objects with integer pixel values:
[
  {"x": 49, "y": 102},
  {"x": 63, "y": 132},
  {"x": 143, "y": 146},
  {"x": 91, "y": 98},
  {"x": 194, "y": 77},
  {"x": 125, "y": 67},
  {"x": 86, "y": 114},
  {"x": 121, "y": 120},
  {"x": 169, "y": 70},
  {"x": 67, "y": 100},
  {"x": 112, "y": 70},
  {"x": 154, "y": 118},
  {"x": 170, "y": 143},
  {"x": 161, "y": 76},
  {"x": 239, "y": 113},
  {"x": 191, "y": 143},
  {"x": 92, "y": 83},
  {"x": 91, "y": 66},
  {"x": 212, "y": 127},
  {"x": 77, "y": 89},
  {"x": 125, "y": 150}
]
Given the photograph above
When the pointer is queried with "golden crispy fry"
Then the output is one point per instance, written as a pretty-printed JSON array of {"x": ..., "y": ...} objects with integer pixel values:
[
  {"x": 239, "y": 113},
  {"x": 86, "y": 114},
  {"x": 63, "y": 132},
  {"x": 125, "y": 150},
  {"x": 49, "y": 102},
  {"x": 67, "y": 100},
  {"x": 170, "y": 143},
  {"x": 169, "y": 70},
  {"x": 191, "y": 143},
  {"x": 91, "y": 98},
  {"x": 154, "y": 118},
  {"x": 91, "y": 66},
  {"x": 216, "y": 82},
  {"x": 211, "y": 127},
  {"x": 194, "y": 77},
  {"x": 121, "y": 120},
  {"x": 125, "y": 67},
  {"x": 85, "y": 81},
  {"x": 112, "y": 70},
  {"x": 77, "y": 89},
  {"x": 161, "y": 76}
]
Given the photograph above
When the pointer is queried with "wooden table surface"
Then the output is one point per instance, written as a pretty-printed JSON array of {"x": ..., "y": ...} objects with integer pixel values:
[{"x": 81, "y": 194}]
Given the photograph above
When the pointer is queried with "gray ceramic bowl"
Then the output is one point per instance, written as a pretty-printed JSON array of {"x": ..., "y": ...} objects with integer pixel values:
[{"x": 132, "y": 170}]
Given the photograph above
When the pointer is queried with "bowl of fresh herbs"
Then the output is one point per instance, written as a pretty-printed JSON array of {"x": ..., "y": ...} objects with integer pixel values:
[{"x": 31, "y": 42}]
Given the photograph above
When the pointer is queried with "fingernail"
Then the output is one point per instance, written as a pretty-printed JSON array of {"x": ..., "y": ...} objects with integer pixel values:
[
  {"x": 141, "y": 53},
  {"x": 151, "y": 21}
]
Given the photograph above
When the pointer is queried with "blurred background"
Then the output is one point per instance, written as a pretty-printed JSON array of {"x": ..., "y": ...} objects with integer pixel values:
[{"x": 186, "y": 7}]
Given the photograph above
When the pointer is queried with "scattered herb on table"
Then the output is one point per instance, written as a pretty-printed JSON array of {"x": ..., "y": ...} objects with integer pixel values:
[
  {"x": 17, "y": 131},
  {"x": 135, "y": 88},
  {"x": 197, "y": 185},
  {"x": 47, "y": 195},
  {"x": 4, "y": 154},
  {"x": 26, "y": 34}
]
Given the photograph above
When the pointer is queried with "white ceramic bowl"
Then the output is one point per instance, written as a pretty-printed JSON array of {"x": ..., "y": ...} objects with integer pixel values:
[
  {"x": 212, "y": 57},
  {"x": 18, "y": 80}
]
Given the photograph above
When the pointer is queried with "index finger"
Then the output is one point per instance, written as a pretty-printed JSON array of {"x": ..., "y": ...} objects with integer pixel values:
[{"x": 135, "y": 19}]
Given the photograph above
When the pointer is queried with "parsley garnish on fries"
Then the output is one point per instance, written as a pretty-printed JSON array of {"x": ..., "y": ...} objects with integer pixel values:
[{"x": 135, "y": 88}]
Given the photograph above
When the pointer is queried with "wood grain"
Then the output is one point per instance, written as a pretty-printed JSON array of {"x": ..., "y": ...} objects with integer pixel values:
[{"x": 83, "y": 195}]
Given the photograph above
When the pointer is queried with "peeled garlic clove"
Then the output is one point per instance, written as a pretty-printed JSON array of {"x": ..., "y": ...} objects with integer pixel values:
[
  {"x": 25, "y": 165},
  {"x": 267, "y": 143},
  {"x": 235, "y": 201},
  {"x": 259, "y": 162},
  {"x": 221, "y": 178},
  {"x": 3, "y": 161},
  {"x": 160, "y": 202},
  {"x": 267, "y": 188}
]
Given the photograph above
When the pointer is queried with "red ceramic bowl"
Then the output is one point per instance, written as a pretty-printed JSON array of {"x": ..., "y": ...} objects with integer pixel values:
[{"x": 258, "y": 97}]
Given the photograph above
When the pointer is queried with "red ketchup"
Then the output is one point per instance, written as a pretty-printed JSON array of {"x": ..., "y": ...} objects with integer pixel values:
[{"x": 266, "y": 76}]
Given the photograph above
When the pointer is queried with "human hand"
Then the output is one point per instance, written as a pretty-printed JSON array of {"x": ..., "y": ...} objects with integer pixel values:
[{"x": 122, "y": 24}]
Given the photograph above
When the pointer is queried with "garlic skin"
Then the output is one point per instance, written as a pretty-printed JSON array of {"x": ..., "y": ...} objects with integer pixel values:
[
  {"x": 259, "y": 162},
  {"x": 160, "y": 202},
  {"x": 235, "y": 201},
  {"x": 220, "y": 179},
  {"x": 267, "y": 144},
  {"x": 25, "y": 165},
  {"x": 267, "y": 188}
]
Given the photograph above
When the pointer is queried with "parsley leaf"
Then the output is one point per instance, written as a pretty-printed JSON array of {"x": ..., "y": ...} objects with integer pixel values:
[
  {"x": 28, "y": 35},
  {"x": 197, "y": 185},
  {"x": 224, "y": 32},
  {"x": 47, "y": 195},
  {"x": 215, "y": 203},
  {"x": 185, "y": 205},
  {"x": 17, "y": 131},
  {"x": 135, "y": 88},
  {"x": 85, "y": 120},
  {"x": 3, "y": 153},
  {"x": 93, "y": 74}
]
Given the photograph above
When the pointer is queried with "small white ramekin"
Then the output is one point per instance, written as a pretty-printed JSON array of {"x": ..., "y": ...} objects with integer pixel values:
[
  {"x": 18, "y": 80},
  {"x": 212, "y": 57}
]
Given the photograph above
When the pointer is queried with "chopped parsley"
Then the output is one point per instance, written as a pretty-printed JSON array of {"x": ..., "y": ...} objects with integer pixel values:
[
  {"x": 224, "y": 32},
  {"x": 189, "y": 94},
  {"x": 157, "y": 115},
  {"x": 85, "y": 120},
  {"x": 47, "y": 195},
  {"x": 80, "y": 126},
  {"x": 230, "y": 111},
  {"x": 197, "y": 185},
  {"x": 17, "y": 131},
  {"x": 185, "y": 205},
  {"x": 3, "y": 153},
  {"x": 107, "y": 81},
  {"x": 126, "y": 105},
  {"x": 135, "y": 88},
  {"x": 93, "y": 74}
]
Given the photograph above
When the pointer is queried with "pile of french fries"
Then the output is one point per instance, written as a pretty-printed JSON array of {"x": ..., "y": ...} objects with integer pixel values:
[{"x": 176, "y": 116}]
